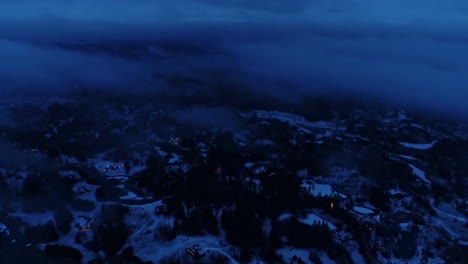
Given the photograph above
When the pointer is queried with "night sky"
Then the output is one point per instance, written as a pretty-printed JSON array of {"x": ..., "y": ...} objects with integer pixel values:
[{"x": 413, "y": 53}]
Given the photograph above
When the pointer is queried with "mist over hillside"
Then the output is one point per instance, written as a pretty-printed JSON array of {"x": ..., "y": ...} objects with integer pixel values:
[{"x": 410, "y": 54}]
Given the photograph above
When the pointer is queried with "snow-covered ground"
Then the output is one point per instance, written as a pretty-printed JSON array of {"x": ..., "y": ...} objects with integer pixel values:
[
  {"x": 289, "y": 252},
  {"x": 144, "y": 223},
  {"x": 312, "y": 219},
  {"x": 299, "y": 121},
  {"x": 114, "y": 170},
  {"x": 458, "y": 216},
  {"x": 422, "y": 146},
  {"x": 80, "y": 188},
  {"x": 418, "y": 259},
  {"x": 355, "y": 256},
  {"x": 141, "y": 219},
  {"x": 80, "y": 218},
  {"x": 34, "y": 219},
  {"x": 309, "y": 219},
  {"x": 131, "y": 196},
  {"x": 149, "y": 249}
]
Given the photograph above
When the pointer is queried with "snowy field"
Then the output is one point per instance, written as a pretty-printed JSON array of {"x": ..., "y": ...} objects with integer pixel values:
[{"x": 309, "y": 219}]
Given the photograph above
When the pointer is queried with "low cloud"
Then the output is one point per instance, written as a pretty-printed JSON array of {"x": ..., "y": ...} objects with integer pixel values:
[
  {"x": 207, "y": 118},
  {"x": 409, "y": 53},
  {"x": 48, "y": 68}
]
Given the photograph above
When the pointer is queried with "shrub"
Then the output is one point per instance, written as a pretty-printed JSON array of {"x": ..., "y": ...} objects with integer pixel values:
[
  {"x": 64, "y": 252},
  {"x": 165, "y": 231},
  {"x": 199, "y": 220},
  {"x": 111, "y": 237},
  {"x": 172, "y": 259},
  {"x": 43, "y": 233},
  {"x": 82, "y": 205},
  {"x": 127, "y": 256},
  {"x": 113, "y": 213},
  {"x": 63, "y": 219}
]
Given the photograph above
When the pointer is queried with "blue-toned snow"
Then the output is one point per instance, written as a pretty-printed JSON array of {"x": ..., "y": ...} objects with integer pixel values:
[
  {"x": 422, "y": 146},
  {"x": 363, "y": 210},
  {"x": 419, "y": 173}
]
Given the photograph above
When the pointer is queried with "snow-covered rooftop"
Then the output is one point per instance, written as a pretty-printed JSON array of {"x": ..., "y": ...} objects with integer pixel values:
[
  {"x": 422, "y": 146},
  {"x": 363, "y": 210},
  {"x": 420, "y": 174}
]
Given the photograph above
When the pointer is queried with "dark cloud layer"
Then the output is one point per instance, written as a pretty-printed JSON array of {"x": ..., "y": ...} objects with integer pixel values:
[{"x": 407, "y": 53}]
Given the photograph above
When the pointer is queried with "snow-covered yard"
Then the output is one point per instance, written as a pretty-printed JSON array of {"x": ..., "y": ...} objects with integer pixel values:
[
  {"x": 34, "y": 219},
  {"x": 312, "y": 219},
  {"x": 141, "y": 219},
  {"x": 317, "y": 189}
]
